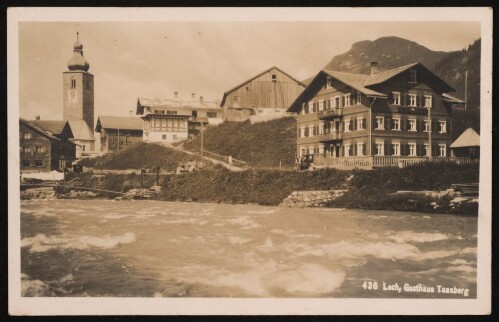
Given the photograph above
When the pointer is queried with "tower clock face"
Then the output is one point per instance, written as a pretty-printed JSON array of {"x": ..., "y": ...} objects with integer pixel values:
[{"x": 73, "y": 96}]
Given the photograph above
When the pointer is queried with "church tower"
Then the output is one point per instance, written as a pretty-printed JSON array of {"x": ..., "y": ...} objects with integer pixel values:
[{"x": 78, "y": 88}]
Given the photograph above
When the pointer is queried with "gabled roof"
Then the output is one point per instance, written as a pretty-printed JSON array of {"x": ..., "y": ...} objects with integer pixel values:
[
  {"x": 118, "y": 122},
  {"x": 81, "y": 131},
  {"x": 256, "y": 76},
  {"x": 451, "y": 99},
  {"x": 363, "y": 83},
  {"x": 176, "y": 102},
  {"x": 38, "y": 129},
  {"x": 467, "y": 139},
  {"x": 54, "y": 127}
]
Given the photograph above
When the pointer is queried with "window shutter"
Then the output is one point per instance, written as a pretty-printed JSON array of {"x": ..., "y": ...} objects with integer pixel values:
[
  {"x": 434, "y": 125},
  {"x": 364, "y": 148},
  {"x": 354, "y": 124},
  {"x": 342, "y": 150},
  {"x": 403, "y": 98},
  {"x": 354, "y": 149},
  {"x": 353, "y": 99},
  {"x": 434, "y": 150},
  {"x": 388, "y": 123}
]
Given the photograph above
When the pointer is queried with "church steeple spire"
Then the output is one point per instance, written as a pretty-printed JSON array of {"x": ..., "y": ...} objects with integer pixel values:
[{"x": 78, "y": 62}]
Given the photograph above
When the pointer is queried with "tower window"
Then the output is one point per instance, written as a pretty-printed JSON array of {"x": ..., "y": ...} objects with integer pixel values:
[{"x": 73, "y": 83}]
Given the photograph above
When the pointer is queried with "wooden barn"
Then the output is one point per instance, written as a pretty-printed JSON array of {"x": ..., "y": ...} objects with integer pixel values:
[
  {"x": 263, "y": 97},
  {"x": 114, "y": 129},
  {"x": 467, "y": 145}
]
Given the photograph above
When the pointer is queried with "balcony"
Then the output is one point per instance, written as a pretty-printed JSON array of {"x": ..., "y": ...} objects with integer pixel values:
[
  {"x": 326, "y": 114},
  {"x": 333, "y": 136}
]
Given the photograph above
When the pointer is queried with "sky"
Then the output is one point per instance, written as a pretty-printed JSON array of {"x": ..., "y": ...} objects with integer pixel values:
[{"x": 155, "y": 59}]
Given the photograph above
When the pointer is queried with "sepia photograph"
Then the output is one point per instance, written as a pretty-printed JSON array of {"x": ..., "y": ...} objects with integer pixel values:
[{"x": 223, "y": 161}]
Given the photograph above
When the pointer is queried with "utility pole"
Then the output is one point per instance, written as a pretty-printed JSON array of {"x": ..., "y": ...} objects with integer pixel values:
[
  {"x": 466, "y": 90},
  {"x": 118, "y": 135},
  {"x": 202, "y": 138},
  {"x": 429, "y": 132}
]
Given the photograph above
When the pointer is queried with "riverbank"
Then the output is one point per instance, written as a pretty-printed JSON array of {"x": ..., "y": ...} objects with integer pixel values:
[{"x": 360, "y": 189}]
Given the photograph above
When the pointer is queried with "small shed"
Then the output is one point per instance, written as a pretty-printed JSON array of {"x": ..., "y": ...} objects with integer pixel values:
[{"x": 467, "y": 145}]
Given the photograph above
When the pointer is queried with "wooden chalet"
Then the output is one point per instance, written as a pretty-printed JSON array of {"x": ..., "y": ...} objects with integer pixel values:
[{"x": 45, "y": 146}]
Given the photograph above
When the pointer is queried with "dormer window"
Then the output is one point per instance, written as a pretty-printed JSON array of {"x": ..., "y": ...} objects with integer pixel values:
[{"x": 413, "y": 76}]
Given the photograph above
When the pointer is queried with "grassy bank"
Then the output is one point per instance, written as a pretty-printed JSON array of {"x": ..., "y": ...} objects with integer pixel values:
[
  {"x": 365, "y": 189},
  {"x": 262, "y": 145},
  {"x": 140, "y": 156}
]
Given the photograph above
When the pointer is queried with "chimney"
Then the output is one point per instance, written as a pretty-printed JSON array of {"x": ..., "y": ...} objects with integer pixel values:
[
  {"x": 193, "y": 95},
  {"x": 176, "y": 94},
  {"x": 37, "y": 117},
  {"x": 374, "y": 67},
  {"x": 200, "y": 99}
]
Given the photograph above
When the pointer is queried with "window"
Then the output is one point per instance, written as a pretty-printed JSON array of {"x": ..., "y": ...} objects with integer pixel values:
[
  {"x": 302, "y": 130},
  {"x": 442, "y": 125},
  {"x": 274, "y": 77},
  {"x": 83, "y": 148},
  {"x": 427, "y": 126},
  {"x": 396, "y": 149},
  {"x": 347, "y": 125},
  {"x": 310, "y": 150},
  {"x": 360, "y": 123},
  {"x": 25, "y": 163},
  {"x": 321, "y": 105},
  {"x": 174, "y": 136},
  {"x": 211, "y": 115},
  {"x": 163, "y": 124},
  {"x": 311, "y": 130},
  {"x": 413, "y": 76},
  {"x": 412, "y": 149},
  {"x": 412, "y": 125},
  {"x": 321, "y": 129},
  {"x": 337, "y": 102},
  {"x": 396, "y": 124},
  {"x": 40, "y": 149},
  {"x": 26, "y": 149},
  {"x": 310, "y": 107},
  {"x": 427, "y": 150},
  {"x": 380, "y": 123},
  {"x": 39, "y": 163},
  {"x": 328, "y": 82},
  {"x": 360, "y": 149},
  {"x": 359, "y": 98},
  {"x": 159, "y": 112},
  {"x": 396, "y": 98},
  {"x": 73, "y": 83},
  {"x": 442, "y": 150},
  {"x": 27, "y": 135},
  {"x": 427, "y": 101},
  {"x": 412, "y": 99},
  {"x": 303, "y": 151},
  {"x": 169, "y": 124},
  {"x": 380, "y": 148},
  {"x": 348, "y": 99},
  {"x": 347, "y": 150},
  {"x": 172, "y": 112},
  {"x": 321, "y": 149},
  {"x": 163, "y": 137}
]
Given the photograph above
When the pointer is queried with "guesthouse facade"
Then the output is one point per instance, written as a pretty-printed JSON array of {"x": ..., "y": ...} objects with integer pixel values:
[
  {"x": 384, "y": 118},
  {"x": 168, "y": 120}
]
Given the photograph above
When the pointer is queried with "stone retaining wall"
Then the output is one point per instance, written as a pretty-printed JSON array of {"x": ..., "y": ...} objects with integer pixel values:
[{"x": 311, "y": 198}]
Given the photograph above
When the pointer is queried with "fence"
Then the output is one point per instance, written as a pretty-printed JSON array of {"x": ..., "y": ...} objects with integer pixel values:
[{"x": 369, "y": 162}]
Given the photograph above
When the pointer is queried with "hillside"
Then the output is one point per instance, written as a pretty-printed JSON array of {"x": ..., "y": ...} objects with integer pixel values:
[
  {"x": 389, "y": 52},
  {"x": 452, "y": 69},
  {"x": 140, "y": 156},
  {"x": 260, "y": 144}
]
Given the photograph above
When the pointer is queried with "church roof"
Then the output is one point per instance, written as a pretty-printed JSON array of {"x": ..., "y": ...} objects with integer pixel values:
[
  {"x": 468, "y": 138},
  {"x": 118, "y": 122},
  {"x": 81, "y": 131},
  {"x": 54, "y": 127}
]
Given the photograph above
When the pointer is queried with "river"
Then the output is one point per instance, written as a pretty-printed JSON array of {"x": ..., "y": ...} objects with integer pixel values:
[{"x": 169, "y": 249}]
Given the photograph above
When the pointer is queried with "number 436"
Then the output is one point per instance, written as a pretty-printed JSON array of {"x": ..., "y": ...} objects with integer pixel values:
[{"x": 369, "y": 285}]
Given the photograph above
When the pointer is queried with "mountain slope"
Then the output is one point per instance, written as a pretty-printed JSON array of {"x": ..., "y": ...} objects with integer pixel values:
[{"x": 389, "y": 52}]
